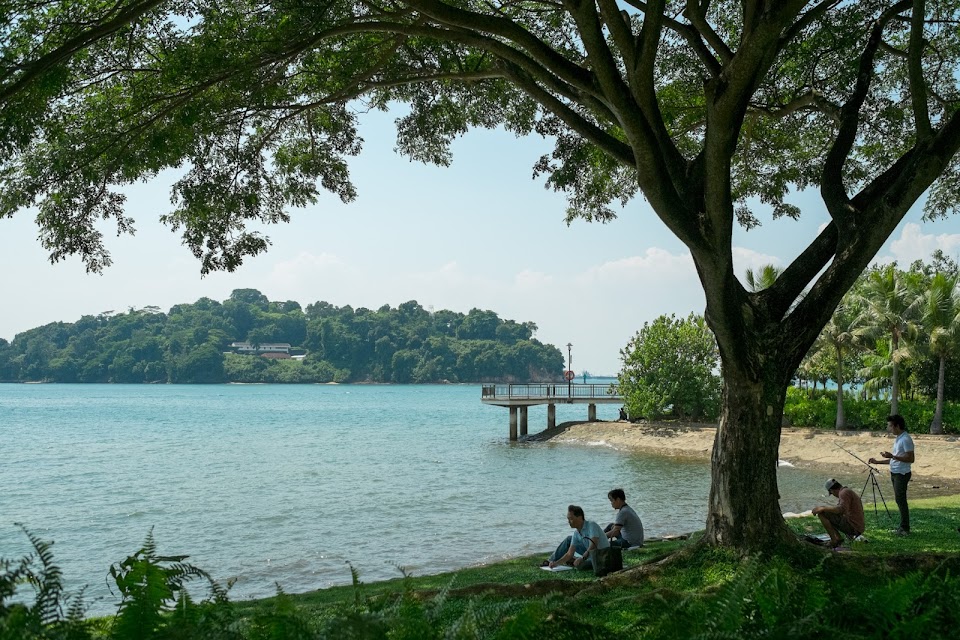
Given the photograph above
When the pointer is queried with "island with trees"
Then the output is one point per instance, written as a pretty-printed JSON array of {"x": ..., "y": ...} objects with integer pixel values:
[{"x": 210, "y": 342}]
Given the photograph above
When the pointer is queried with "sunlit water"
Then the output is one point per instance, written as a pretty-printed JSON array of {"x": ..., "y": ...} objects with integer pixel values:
[{"x": 285, "y": 484}]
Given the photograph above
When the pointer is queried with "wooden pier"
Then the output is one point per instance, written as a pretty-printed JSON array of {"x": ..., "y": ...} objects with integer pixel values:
[{"x": 519, "y": 397}]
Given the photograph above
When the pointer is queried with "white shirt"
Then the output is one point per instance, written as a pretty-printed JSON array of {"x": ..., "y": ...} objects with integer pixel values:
[{"x": 901, "y": 445}]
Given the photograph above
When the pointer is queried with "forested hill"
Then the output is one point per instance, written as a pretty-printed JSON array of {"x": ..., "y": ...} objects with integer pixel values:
[{"x": 247, "y": 338}]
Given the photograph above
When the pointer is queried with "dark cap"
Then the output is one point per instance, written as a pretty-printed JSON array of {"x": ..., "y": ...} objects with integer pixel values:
[{"x": 832, "y": 484}]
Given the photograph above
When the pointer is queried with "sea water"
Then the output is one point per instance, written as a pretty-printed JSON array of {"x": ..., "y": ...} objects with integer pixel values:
[{"x": 287, "y": 484}]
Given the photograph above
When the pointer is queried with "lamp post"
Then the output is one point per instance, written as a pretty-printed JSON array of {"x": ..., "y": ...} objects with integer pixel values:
[{"x": 569, "y": 371}]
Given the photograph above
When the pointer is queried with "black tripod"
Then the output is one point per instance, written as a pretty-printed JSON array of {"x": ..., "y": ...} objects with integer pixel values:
[{"x": 872, "y": 472}]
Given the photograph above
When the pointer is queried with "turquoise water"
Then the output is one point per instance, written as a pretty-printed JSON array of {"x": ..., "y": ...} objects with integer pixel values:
[{"x": 286, "y": 484}]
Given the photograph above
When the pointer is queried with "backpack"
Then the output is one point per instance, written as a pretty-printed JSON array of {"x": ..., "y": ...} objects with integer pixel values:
[{"x": 607, "y": 561}]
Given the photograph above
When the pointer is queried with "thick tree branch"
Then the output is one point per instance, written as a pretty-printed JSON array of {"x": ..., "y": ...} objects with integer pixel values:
[
  {"x": 831, "y": 183},
  {"x": 797, "y": 276},
  {"x": 918, "y": 88},
  {"x": 509, "y": 30},
  {"x": 913, "y": 173},
  {"x": 812, "y": 100},
  {"x": 601, "y": 59},
  {"x": 620, "y": 31},
  {"x": 688, "y": 33},
  {"x": 886, "y": 47},
  {"x": 807, "y": 19},
  {"x": 696, "y": 14},
  {"x": 646, "y": 95},
  {"x": 578, "y": 89},
  {"x": 82, "y": 40},
  {"x": 884, "y": 203},
  {"x": 622, "y": 152}
]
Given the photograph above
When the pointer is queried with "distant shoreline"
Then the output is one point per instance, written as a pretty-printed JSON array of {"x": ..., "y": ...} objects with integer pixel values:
[{"x": 936, "y": 471}]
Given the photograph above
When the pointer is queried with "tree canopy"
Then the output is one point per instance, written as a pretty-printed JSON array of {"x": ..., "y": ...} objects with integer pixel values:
[{"x": 716, "y": 111}]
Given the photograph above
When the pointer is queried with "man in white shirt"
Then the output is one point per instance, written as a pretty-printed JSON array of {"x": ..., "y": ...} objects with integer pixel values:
[{"x": 899, "y": 460}]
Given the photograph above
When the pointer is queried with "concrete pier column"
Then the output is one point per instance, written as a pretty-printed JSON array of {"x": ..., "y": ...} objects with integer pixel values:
[
  {"x": 513, "y": 423},
  {"x": 551, "y": 416},
  {"x": 592, "y": 412},
  {"x": 523, "y": 420}
]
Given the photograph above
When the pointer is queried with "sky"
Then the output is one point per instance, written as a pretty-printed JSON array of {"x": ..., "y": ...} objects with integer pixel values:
[{"x": 481, "y": 233}]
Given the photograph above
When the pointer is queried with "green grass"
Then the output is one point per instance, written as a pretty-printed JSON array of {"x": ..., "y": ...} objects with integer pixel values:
[
  {"x": 709, "y": 591},
  {"x": 890, "y": 587},
  {"x": 933, "y": 521}
]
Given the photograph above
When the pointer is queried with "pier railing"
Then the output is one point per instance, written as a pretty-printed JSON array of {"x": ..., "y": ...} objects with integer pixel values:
[
  {"x": 520, "y": 397},
  {"x": 551, "y": 390}
]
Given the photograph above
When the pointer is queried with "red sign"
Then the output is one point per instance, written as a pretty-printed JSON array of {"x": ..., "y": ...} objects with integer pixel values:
[{"x": 568, "y": 375}]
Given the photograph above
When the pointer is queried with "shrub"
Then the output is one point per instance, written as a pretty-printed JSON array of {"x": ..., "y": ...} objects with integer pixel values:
[
  {"x": 819, "y": 410},
  {"x": 669, "y": 368}
]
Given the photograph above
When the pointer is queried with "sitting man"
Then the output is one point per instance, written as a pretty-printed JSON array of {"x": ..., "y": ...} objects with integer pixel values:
[
  {"x": 845, "y": 518},
  {"x": 626, "y": 530},
  {"x": 586, "y": 537}
]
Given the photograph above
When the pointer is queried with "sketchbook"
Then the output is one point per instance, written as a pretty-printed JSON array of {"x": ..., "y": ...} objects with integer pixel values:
[{"x": 559, "y": 567}]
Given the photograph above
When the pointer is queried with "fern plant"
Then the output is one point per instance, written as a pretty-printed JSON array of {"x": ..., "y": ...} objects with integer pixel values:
[
  {"x": 764, "y": 599},
  {"x": 151, "y": 586},
  {"x": 53, "y": 614}
]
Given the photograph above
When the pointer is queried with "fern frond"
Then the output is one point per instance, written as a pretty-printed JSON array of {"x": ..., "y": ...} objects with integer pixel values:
[
  {"x": 48, "y": 583},
  {"x": 355, "y": 581}
]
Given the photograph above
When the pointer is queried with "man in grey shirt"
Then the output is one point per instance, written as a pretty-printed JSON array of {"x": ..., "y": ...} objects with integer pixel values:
[{"x": 626, "y": 530}]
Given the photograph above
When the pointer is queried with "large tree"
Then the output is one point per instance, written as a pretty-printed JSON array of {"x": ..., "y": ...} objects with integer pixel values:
[{"x": 715, "y": 111}]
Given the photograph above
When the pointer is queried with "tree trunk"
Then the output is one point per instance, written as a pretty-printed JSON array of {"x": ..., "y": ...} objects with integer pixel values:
[
  {"x": 841, "y": 419},
  {"x": 895, "y": 378},
  {"x": 937, "y": 425},
  {"x": 744, "y": 507}
]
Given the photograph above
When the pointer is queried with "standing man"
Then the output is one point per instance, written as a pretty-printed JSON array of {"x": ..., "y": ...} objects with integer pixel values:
[
  {"x": 626, "y": 530},
  {"x": 899, "y": 460},
  {"x": 845, "y": 518},
  {"x": 587, "y": 537}
]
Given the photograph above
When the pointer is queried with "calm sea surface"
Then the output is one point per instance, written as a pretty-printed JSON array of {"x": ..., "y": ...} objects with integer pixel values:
[{"x": 286, "y": 484}]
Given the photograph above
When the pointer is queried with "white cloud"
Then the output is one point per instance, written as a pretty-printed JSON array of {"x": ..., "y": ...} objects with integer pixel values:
[
  {"x": 744, "y": 259},
  {"x": 913, "y": 245},
  {"x": 528, "y": 280},
  {"x": 654, "y": 263}
]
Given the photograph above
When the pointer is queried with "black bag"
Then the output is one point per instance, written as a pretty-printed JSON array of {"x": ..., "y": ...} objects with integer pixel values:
[{"x": 607, "y": 561}]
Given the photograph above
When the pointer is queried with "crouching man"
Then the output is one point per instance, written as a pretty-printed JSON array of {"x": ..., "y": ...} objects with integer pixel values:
[{"x": 844, "y": 518}]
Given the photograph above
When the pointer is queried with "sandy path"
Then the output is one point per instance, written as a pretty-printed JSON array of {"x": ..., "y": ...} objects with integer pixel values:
[{"x": 935, "y": 472}]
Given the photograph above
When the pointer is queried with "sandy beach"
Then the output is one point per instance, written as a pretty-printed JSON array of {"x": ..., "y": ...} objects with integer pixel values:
[{"x": 935, "y": 472}]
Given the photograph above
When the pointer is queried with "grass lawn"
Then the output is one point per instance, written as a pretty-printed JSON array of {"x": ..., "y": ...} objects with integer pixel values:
[
  {"x": 881, "y": 588},
  {"x": 889, "y": 587}
]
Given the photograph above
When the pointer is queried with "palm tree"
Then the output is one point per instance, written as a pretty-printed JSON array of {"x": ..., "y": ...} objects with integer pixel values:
[
  {"x": 941, "y": 319},
  {"x": 763, "y": 278},
  {"x": 892, "y": 308},
  {"x": 877, "y": 370},
  {"x": 844, "y": 333}
]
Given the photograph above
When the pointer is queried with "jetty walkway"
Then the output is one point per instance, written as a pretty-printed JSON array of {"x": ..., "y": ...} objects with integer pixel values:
[{"x": 519, "y": 397}]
